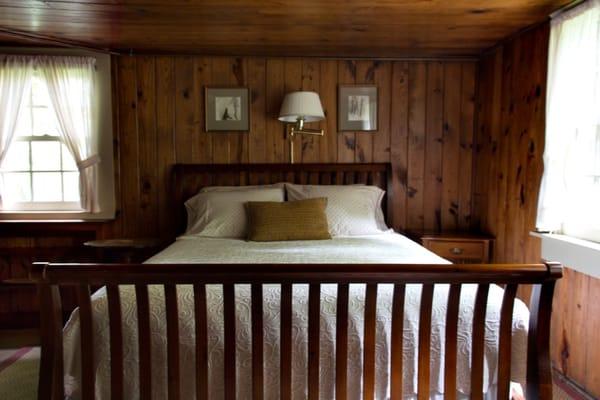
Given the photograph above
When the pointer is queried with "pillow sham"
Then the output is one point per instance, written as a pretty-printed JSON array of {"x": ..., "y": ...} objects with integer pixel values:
[
  {"x": 290, "y": 220},
  {"x": 351, "y": 209},
  {"x": 223, "y": 214}
]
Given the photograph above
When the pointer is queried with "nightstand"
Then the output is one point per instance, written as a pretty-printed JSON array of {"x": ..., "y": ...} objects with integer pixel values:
[
  {"x": 458, "y": 247},
  {"x": 124, "y": 250}
]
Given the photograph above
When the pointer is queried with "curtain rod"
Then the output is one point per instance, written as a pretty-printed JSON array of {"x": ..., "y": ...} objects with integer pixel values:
[{"x": 567, "y": 7}]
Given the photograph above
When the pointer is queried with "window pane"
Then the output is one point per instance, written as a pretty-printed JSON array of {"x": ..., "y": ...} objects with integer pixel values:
[
  {"x": 44, "y": 122},
  {"x": 45, "y": 156},
  {"x": 17, "y": 158},
  {"x": 68, "y": 160},
  {"x": 47, "y": 186},
  {"x": 23, "y": 127},
  {"x": 71, "y": 186},
  {"x": 17, "y": 187}
]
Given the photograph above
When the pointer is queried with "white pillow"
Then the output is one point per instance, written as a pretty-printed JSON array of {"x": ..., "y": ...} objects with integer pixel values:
[
  {"x": 205, "y": 189},
  {"x": 223, "y": 214},
  {"x": 351, "y": 209}
]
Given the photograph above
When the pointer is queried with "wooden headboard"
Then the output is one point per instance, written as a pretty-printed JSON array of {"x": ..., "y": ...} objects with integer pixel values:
[{"x": 188, "y": 179}]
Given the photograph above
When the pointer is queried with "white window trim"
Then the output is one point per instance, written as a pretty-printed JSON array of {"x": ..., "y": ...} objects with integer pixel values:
[
  {"x": 106, "y": 175},
  {"x": 577, "y": 254}
]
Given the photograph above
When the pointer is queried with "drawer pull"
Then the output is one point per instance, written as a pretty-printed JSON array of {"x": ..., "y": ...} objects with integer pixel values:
[{"x": 456, "y": 250}]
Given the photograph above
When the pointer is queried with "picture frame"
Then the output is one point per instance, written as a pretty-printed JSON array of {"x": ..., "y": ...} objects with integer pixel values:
[
  {"x": 226, "y": 109},
  {"x": 357, "y": 108}
]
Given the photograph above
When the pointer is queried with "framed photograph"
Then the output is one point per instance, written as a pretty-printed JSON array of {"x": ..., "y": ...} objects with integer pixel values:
[
  {"x": 226, "y": 109},
  {"x": 357, "y": 108}
]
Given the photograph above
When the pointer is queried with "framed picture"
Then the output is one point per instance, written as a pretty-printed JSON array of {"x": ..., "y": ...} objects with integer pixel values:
[
  {"x": 226, "y": 109},
  {"x": 357, "y": 108}
]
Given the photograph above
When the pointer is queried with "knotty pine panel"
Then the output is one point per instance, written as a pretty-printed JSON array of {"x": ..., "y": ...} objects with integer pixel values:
[
  {"x": 510, "y": 144},
  {"x": 379, "y": 28},
  {"x": 426, "y": 123},
  {"x": 575, "y": 327}
]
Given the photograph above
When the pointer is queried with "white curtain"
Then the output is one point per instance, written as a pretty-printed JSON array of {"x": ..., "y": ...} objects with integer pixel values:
[
  {"x": 569, "y": 200},
  {"x": 15, "y": 77},
  {"x": 71, "y": 87}
]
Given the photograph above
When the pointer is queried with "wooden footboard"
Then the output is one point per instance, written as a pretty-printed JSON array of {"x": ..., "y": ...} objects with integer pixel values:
[{"x": 51, "y": 277}]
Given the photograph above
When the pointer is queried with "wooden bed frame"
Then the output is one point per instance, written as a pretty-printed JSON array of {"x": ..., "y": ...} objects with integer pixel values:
[{"x": 188, "y": 180}]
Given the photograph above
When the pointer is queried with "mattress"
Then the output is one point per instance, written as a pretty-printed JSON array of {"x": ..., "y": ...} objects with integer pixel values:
[{"x": 383, "y": 248}]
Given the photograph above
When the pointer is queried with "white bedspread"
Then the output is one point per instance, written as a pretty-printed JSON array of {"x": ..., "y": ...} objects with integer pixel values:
[{"x": 384, "y": 248}]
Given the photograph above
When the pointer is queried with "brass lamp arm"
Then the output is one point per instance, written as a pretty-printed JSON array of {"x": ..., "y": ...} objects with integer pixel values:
[
  {"x": 306, "y": 131},
  {"x": 298, "y": 128}
]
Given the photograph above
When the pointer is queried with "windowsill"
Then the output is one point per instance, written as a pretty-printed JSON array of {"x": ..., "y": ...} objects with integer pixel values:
[
  {"x": 577, "y": 254},
  {"x": 52, "y": 216},
  {"x": 50, "y": 221}
]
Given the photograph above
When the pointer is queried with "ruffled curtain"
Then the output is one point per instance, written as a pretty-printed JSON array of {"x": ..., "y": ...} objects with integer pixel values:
[
  {"x": 570, "y": 190},
  {"x": 71, "y": 84},
  {"x": 15, "y": 77}
]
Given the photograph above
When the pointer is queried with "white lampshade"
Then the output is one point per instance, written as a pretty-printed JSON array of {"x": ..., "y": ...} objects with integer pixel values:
[{"x": 301, "y": 104}]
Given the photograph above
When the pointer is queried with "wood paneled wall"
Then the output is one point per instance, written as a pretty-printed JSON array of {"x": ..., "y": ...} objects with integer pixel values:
[
  {"x": 426, "y": 127},
  {"x": 575, "y": 328},
  {"x": 509, "y": 144}
]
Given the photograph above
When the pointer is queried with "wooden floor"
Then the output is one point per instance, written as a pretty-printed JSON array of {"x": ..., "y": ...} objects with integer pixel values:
[{"x": 19, "y": 370}]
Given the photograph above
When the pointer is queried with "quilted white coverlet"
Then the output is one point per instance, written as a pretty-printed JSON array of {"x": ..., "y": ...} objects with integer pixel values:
[{"x": 384, "y": 248}]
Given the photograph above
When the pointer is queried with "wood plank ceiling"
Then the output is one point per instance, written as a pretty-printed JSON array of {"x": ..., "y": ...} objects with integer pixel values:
[{"x": 352, "y": 28}]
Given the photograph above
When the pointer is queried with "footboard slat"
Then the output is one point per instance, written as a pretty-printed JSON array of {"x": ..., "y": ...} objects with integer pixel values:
[
  {"x": 425, "y": 341},
  {"x": 505, "y": 341},
  {"x": 341, "y": 343},
  {"x": 144, "y": 344},
  {"x": 50, "y": 385},
  {"x": 88, "y": 372},
  {"x": 173, "y": 384},
  {"x": 369, "y": 342},
  {"x": 285, "y": 365},
  {"x": 257, "y": 342},
  {"x": 397, "y": 342},
  {"x": 229, "y": 327},
  {"x": 116, "y": 341},
  {"x": 201, "y": 326},
  {"x": 478, "y": 349},
  {"x": 314, "y": 317},
  {"x": 450, "y": 342}
]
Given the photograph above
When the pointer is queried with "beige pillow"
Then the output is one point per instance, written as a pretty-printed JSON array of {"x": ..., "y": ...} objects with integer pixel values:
[
  {"x": 223, "y": 214},
  {"x": 352, "y": 210},
  {"x": 293, "y": 220}
]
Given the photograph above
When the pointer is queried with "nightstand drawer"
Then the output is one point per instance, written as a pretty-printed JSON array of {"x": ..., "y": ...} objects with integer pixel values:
[{"x": 458, "y": 250}]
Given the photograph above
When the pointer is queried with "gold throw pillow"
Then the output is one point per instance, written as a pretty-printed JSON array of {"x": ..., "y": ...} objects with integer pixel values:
[{"x": 270, "y": 221}]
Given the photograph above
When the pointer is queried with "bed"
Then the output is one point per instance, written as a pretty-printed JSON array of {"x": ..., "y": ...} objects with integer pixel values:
[{"x": 363, "y": 317}]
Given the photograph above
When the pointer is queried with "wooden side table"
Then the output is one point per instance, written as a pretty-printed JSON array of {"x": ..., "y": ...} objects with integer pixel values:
[
  {"x": 124, "y": 250},
  {"x": 458, "y": 247}
]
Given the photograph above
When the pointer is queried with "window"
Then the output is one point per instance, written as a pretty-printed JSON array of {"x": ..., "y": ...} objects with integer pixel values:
[
  {"x": 56, "y": 142},
  {"x": 570, "y": 193},
  {"x": 39, "y": 171}
]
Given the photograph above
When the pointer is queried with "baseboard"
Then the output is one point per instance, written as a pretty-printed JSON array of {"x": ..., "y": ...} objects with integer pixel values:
[{"x": 569, "y": 386}]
